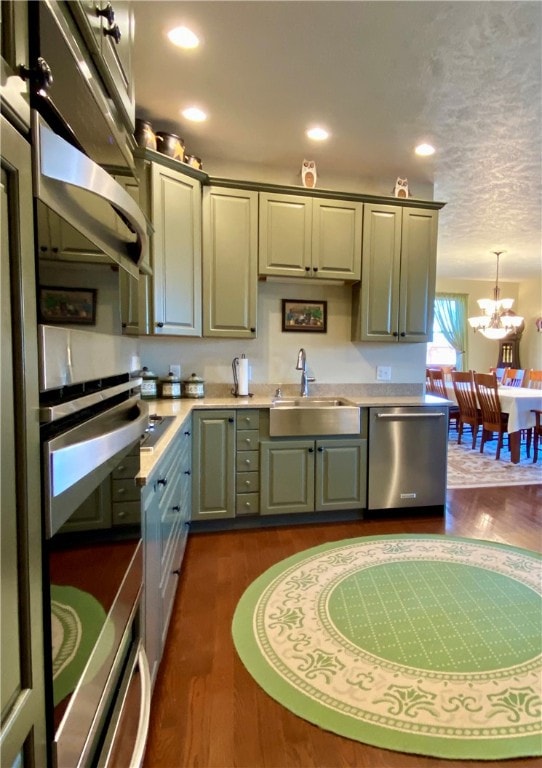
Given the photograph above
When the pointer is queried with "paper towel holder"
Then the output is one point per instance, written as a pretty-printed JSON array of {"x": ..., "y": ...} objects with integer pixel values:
[{"x": 235, "y": 371}]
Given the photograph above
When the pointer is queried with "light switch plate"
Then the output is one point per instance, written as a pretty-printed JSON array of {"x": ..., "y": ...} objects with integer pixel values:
[
  {"x": 175, "y": 370},
  {"x": 383, "y": 372}
]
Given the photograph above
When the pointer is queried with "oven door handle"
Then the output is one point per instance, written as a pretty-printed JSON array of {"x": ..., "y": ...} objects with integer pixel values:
[
  {"x": 77, "y": 461},
  {"x": 144, "y": 709}
]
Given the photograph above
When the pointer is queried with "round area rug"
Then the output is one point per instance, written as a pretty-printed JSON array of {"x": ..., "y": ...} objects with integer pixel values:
[
  {"x": 417, "y": 643},
  {"x": 77, "y": 619}
]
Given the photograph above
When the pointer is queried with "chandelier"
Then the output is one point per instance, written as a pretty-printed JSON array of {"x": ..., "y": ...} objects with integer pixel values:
[{"x": 497, "y": 319}]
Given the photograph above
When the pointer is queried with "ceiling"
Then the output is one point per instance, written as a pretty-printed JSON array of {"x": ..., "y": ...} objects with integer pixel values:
[{"x": 382, "y": 77}]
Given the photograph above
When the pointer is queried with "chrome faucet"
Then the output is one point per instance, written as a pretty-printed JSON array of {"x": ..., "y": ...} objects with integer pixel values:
[{"x": 302, "y": 366}]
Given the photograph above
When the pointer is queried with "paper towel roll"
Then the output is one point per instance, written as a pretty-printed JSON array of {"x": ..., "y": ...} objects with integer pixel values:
[{"x": 243, "y": 376}]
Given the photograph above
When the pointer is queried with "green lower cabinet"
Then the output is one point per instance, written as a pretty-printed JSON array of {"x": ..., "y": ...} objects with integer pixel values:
[
  {"x": 312, "y": 475},
  {"x": 341, "y": 474},
  {"x": 213, "y": 465}
]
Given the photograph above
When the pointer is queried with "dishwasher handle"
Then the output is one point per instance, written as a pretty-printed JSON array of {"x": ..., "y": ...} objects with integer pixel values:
[{"x": 392, "y": 416}]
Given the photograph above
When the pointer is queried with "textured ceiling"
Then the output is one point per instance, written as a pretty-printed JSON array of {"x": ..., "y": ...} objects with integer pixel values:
[{"x": 382, "y": 76}]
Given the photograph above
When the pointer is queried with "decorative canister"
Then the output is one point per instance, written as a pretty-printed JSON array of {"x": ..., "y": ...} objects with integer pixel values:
[
  {"x": 144, "y": 135},
  {"x": 170, "y": 144},
  {"x": 194, "y": 386},
  {"x": 149, "y": 384},
  {"x": 170, "y": 386},
  {"x": 194, "y": 161}
]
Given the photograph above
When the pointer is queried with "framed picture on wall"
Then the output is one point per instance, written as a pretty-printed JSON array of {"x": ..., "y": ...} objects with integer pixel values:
[
  {"x": 303, "y": 315},
  {"x": 67, "y": 305}
]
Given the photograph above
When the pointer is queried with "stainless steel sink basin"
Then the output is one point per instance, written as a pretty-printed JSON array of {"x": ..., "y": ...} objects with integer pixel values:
[
  {"x": 300, "y": 416},
  {"x": 310, "y": 402}
]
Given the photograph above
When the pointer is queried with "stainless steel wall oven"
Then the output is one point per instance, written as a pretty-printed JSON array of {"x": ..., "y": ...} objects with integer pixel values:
[{"x": 93, "y": 558}]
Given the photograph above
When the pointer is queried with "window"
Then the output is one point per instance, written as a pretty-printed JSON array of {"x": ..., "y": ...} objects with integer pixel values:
[{"x": 449, "y": 331}]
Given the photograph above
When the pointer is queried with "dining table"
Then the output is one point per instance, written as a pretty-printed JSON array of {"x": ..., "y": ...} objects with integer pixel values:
[{"x": 518, "y": 403}]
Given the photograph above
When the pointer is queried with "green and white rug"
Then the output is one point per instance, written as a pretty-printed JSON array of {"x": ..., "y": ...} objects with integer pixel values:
[{"x": 417, "y": 643}]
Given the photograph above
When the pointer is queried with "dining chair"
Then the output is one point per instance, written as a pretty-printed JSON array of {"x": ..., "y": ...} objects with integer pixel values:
[
  {"x": 499, "y": 372},
  {"x": 469, "y": 413},
  {"x": 537, "y": 430},
  {"x": 534, "y": 379},
  {"x": 493, "y": 419},
  {"x": 513, "y": 377},
  {"x": 438, "y": 388}
]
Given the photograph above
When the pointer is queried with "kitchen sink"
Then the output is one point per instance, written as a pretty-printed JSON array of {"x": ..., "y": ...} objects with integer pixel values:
[
  {"x": 299, "y": 416},
  {"x": 310, "y": 402}
]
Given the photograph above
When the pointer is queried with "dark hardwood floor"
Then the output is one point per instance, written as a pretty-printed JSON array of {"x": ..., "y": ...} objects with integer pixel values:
[{"x": 208, "y": 712}]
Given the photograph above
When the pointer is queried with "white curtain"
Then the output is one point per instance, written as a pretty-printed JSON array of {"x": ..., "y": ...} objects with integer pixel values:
[{"x": 451, "y": 311}]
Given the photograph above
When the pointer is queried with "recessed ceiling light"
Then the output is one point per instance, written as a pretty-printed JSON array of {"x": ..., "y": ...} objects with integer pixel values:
[
  {"x": 183, "y": 37},
  {"x": 424, "y": 150},
  {"x": 195, "y": 114},
  {"x": 318, "y": 134}
]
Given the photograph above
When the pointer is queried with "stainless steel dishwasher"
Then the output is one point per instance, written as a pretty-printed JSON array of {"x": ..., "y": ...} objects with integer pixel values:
[{"x": 407, "y": 456}]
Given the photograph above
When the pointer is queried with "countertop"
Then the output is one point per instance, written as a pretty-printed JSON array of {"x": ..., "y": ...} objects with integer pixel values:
[{"x": 183, "y": 407}]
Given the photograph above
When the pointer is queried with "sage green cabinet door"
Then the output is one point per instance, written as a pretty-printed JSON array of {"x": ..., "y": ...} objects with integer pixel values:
[
  {"x": 22, "y": 699},
  {"x": 230, "y": 263},
  {"x": 14, "y": 91},
  {"x": 213, "y": 465},
  {"x": 287, "y": 476},
  {"x": 394, "y": 301},
  {"x": 418, "y": 274},
  {"x": 285, "y": 235},
  {"x": 336, "y": 239},
  {"x": 176, "y": 252},
  {"x": 341, "y": 474}
]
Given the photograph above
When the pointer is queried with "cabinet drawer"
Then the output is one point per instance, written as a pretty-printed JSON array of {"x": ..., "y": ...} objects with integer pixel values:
[
  {"x": 126, "y": 513},
  {"x": 248, "y": 482},
  {"x": 247, "y": 461},
  {"x": 248, "y": 439},
  {"x": 248, "y": 419},
  {"x": 129, "y": 467},
  {"x": 247, "y": 504},
  {"x": 125, "y": 490}
]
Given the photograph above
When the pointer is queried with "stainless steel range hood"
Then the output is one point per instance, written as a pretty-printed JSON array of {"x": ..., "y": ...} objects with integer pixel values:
[{"x": 89, "y": 199}]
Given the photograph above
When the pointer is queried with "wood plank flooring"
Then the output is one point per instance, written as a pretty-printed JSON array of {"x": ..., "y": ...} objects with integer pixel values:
[{"x": 208, "y": 712}]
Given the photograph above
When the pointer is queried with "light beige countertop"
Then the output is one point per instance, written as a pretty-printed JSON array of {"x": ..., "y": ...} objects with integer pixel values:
[{"x": 183, "y": 408}]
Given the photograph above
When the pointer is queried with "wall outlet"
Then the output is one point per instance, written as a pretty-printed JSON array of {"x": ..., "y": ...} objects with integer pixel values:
[
  {"x": 383, "y": 372},
  {"x": 175, "y": 370}
]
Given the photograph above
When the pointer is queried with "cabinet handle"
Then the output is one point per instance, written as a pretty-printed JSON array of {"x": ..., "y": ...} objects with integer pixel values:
[
  {"x": 176, "y": 572},
  {"x": 403, "y": 333},
  {"x": 247, "y": 483},
  {"x": 315, "y": 269},
  {"x": 247, "y": 504},
  {"x": 307, "y": 269},
  {"x": 120, "y": 491},
  {"x": 159, "y": 325},
  {"x": 187, "y": 434},
  {"x": 121, "y": 514},
  {"x": 320, "y": 449},
  {"x": 187, "y": 472},
  {"x": 40, "y": 75},
  {"x": 162, "y": 481},
  {"x": 311, "y": 450},
  {"x": 107, "y": 12},
  {"x": 176, "y": 508},
  {"x": 113, "y": 32},
  {"x": 230, "y": 420},
  {"x": 248, "y": 441},
  {"x": 253, "y": 330},
  {"x": 54, "y": 249},
  {"x": 247, "y": 462},
  {"x": 395, "y": 333}
]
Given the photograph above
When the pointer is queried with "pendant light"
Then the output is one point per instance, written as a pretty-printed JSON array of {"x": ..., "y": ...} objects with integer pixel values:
[{"x": 497, "y": 319}]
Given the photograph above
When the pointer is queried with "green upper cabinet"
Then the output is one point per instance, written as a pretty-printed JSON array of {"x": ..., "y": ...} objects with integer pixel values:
[
  {"x": 172, "y": 201},
  {"x": 302, "y": 236},
  {"x": 14, "y": 91},
  {"x": 230, "y": 262},
  {"x": 394, "y": 301},
  {"x": 108, "y": 30}
]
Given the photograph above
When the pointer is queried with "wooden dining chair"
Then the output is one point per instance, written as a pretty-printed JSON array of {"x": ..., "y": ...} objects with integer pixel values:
[
  {"x": 537, "y": 430},
  {"x": 438, "y": 388},
  {"x": 465, "y": 394},
  {"x": 534, "y": 379},
  {"x": 513, "y": 377},
  {"x": 493, "y": 419}
]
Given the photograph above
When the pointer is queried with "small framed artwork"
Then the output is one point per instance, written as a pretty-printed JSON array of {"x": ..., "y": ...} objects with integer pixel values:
[
  {"x": 67, "y": 305},
  {"x": 302, "y": 315}
]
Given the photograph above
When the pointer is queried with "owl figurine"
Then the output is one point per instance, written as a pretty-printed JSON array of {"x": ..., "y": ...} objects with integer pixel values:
[
  {"x": 401, "y": 188},
  {"x": 308, "y": 173}
]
